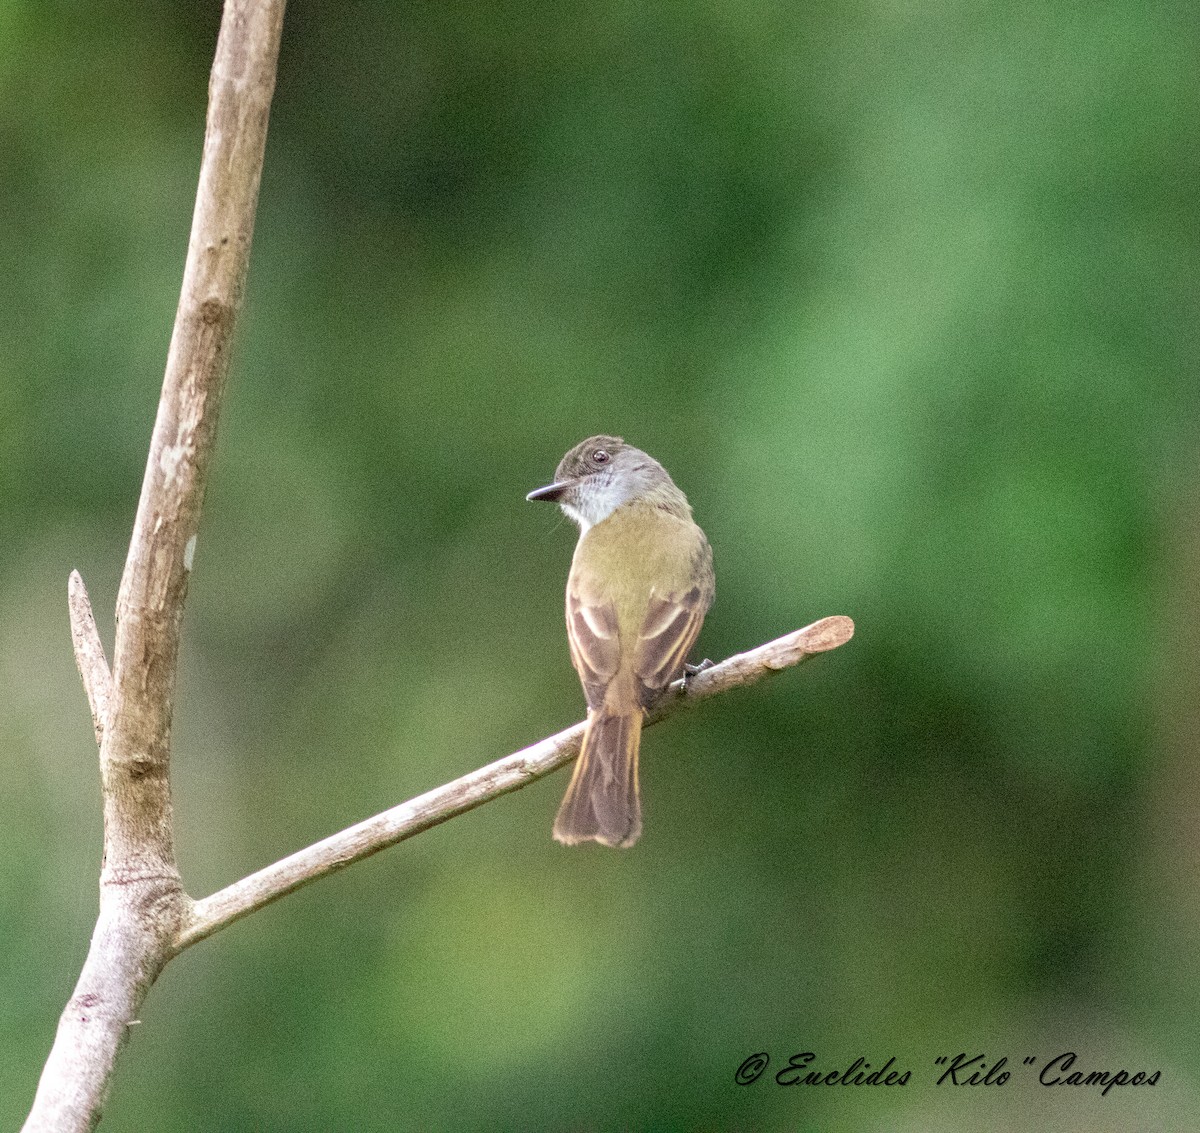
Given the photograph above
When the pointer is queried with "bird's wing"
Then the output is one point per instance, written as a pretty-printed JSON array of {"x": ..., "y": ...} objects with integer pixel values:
[
  {"x": 594, "y": 636},
  {"x": 668, "y": 633}
]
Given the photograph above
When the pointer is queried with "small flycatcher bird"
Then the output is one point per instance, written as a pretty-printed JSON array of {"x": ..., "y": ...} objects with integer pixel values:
[{"x": 640, "y": 584}]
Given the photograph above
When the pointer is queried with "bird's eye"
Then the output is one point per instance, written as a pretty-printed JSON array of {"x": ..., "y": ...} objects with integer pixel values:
[{"x": 600, "y": 456}]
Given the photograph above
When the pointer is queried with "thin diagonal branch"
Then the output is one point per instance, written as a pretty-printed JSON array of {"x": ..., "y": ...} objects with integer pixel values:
[
  {"x": 89, "y": 654},
  {"x": 508, "y": 774}
]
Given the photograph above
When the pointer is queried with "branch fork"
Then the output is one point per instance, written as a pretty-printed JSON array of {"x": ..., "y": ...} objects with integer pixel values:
[{"x": 146, "y": 917}]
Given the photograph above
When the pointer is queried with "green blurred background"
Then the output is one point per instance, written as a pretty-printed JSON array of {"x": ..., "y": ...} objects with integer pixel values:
[{"x": 905, "y": 297}]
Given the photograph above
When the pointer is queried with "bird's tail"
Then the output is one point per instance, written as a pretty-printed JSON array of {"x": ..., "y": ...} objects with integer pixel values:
[{"x": 602, "y": 801}]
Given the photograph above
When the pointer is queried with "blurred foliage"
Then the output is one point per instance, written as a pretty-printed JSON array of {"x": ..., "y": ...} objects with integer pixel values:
[{"x": 905, "y": 297}]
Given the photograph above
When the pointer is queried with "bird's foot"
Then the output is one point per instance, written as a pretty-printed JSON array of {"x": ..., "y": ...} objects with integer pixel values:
[{"x": 691, "y": 671}]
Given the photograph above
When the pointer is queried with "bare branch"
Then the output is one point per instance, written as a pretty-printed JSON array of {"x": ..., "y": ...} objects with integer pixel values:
[
  {"x": 508, "y": 774},
  {"x": 142, "y": 902},
  {"x": 89, "y": 653},
  {"x": 154, "y": 584},
  {"x": 145, "y": 916}
]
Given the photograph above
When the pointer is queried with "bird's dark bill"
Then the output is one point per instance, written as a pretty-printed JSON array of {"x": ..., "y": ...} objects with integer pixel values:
[{"x": 551, "y": 492}]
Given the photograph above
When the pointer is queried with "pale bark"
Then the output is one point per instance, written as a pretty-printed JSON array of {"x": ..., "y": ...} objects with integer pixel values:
[
  {"x": 142, "y": 903},
  {"x": 89, "y": 654}
]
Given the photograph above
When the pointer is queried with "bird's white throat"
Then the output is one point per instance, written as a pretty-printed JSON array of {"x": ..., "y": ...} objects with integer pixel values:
[{"x": 596, "y": 498}]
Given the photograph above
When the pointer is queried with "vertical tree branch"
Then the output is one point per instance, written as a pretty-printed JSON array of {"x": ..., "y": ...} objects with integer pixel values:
[{"x": 142, "y": 901}]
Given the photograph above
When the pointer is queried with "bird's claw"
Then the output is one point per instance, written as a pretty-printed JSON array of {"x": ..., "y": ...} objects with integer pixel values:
[{"x": 691, "y": 671}]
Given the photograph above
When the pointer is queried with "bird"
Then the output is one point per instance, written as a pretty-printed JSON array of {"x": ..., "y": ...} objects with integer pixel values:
[{"x": 640, "y": 584}]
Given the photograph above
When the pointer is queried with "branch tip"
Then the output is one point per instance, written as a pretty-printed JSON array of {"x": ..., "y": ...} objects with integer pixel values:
[
  {"x": 820, "y": 637},
  {"x": 89, "y": 654}
]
